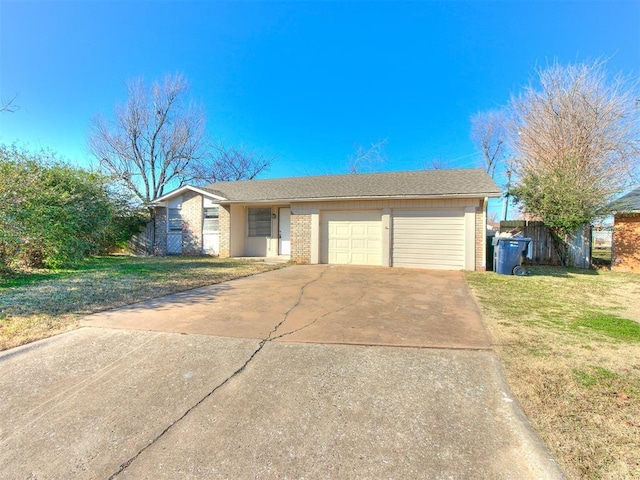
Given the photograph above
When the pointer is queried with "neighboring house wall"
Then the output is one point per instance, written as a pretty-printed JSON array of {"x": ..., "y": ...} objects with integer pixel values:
[{"x": 626, "y": 243}]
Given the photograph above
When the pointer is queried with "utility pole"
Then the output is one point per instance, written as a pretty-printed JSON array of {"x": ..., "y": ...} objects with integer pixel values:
[{"x": 505, "y": 202}]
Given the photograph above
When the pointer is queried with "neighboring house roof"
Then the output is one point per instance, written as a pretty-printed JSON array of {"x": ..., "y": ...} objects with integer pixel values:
[
  {"x": 413, "y": 184},
  {"x": 629, "y": 203}
]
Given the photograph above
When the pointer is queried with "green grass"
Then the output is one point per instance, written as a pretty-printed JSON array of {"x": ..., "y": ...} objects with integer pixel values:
[
  {"x": 155, "y": 267},
  {"x": 595, "y": 376},
  {"x": 601, "y": 256},
  {"x": 609, "y": 325},
  {"x": 568, "y": 340},
  {"x": 27, "y": 277},
  {"x": 37, "y": 304}
]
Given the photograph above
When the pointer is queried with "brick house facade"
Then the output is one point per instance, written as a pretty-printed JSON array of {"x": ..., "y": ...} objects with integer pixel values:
[
  {"x": 390, "y": 219},
  {"x": 626, "y": 233}
]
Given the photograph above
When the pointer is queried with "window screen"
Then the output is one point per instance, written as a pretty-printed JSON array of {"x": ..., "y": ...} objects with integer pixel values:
[{"x": 259, "y": 222}]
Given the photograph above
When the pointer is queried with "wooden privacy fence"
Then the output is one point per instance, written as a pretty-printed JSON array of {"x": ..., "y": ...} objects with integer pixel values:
[
  {"x": 142, "y": 243},
  {"x": 543, "y": 251}
]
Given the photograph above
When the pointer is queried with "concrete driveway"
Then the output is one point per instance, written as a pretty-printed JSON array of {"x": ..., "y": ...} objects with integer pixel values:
[
  {"x": 320, "y": 304},
  {"x": 280, "y": 400}
]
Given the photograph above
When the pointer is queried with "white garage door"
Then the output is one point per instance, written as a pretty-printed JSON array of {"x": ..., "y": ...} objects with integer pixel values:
[
  {"x": 353, "y": 238},
  {"x": 428, "y": 239}
]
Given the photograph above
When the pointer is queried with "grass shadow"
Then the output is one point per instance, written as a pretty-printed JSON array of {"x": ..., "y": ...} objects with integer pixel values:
[{"x": 561, "y": 272}]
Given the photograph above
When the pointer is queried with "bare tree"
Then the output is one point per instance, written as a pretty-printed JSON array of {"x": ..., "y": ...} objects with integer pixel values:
[
  {"x": 437, "y": 163},
  {"x": 9, "y": 105},
  {"x": 576, "y": 136},
  {"x": 488, "y": 133},
  {"x": 154, "y": 138},
  {"x": 223, "y": 164},
  {"x": 367, "y": 159}
]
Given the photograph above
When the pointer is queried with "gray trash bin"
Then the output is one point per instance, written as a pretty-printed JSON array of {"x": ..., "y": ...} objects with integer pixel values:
[{"x": 509, "y": 253}]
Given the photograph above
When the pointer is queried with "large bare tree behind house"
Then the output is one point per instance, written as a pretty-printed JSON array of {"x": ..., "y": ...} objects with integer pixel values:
[
  {"x": 576, "y": 142},
  {"x": 369, "y": 158},
  {"x": 153, "y": 139},
  {"x": 224, "y": 164},
  {"x": 488, "y": 133}
]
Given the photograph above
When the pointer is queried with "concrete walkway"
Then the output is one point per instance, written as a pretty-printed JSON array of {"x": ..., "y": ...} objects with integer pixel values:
[{"x": 124, "y": 403}]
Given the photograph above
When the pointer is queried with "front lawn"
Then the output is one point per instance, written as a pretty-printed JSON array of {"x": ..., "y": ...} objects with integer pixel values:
[
  {"x": 569, "y": 341},
  {"x": 39, "y": 304}
]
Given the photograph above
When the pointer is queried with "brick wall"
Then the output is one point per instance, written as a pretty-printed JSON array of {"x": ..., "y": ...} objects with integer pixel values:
[
  {"x": 225, "y": 231},
  {"x": 626, "y": 243},
  {"x": 480, "y": 239},
  {"x": 192, "y": 223},
  {"x": 160, "y": 245},
  {"x": 301, "y": 238}
]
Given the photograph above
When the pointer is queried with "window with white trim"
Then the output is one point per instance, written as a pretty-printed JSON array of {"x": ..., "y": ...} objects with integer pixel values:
[
  {"x": 259, "y": 222},
  {"x": 174, "y": 220},
  {"x": 211, "y": 221}
]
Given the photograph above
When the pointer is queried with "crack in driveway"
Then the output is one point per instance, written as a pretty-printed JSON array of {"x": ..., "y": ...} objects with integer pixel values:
[
  {"x": 344, "y": 307},
  {"x": 262, "y": 343}
]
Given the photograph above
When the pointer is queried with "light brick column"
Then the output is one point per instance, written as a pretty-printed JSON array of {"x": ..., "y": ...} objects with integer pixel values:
[
  {"x": 160, "y": 234},
  {"x": 224, "y": 220},
  {"x": 301, "y": 238},
  {"x": 192, "y": 223}
]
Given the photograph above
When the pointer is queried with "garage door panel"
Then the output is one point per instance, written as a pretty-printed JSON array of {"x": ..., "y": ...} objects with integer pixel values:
[
  {"x": 430, "y": 259},
  {"x": 431, "y": 234},
  {"x": 429, "y": 239},
  {"x": 359, "y": 243},
  {"x": 427, "y": 251},
  {"x": 352, "y": 238},
  {"x": 340, "y": 230},
  {"x": 359, "y": 230}
]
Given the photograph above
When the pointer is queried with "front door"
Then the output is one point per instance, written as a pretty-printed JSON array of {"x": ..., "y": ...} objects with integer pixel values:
[{"x": 284, "y": 229}]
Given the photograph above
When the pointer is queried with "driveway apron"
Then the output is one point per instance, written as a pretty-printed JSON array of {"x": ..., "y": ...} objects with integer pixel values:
[{"x": 258, "y": 378}]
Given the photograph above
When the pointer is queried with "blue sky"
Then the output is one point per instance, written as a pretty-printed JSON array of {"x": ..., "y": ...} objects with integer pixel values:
[{"x": 303, "y": 81}]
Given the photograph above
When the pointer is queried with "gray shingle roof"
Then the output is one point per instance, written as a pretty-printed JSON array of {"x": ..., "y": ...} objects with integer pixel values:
[
  {"x": 629, "y": 202},
  {"x": 413, "y": 184}
]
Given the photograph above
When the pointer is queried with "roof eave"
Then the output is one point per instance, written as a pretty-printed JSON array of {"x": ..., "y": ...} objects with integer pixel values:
[
  {"x": 182, "y": 189},
  {"x": 378, "y": 197},
  {"x": 627, "y": 212}
]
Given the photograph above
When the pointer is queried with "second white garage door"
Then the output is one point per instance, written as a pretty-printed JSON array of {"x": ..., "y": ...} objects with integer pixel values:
[
  {"x": 353, "y": 238},
  {"x": 428, "y": 239}
]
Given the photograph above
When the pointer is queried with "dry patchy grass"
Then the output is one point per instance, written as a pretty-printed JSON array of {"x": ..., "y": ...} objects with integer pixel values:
[
  {"x": 39, "y": 304},
  {"x": 570, "y": 344}
]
